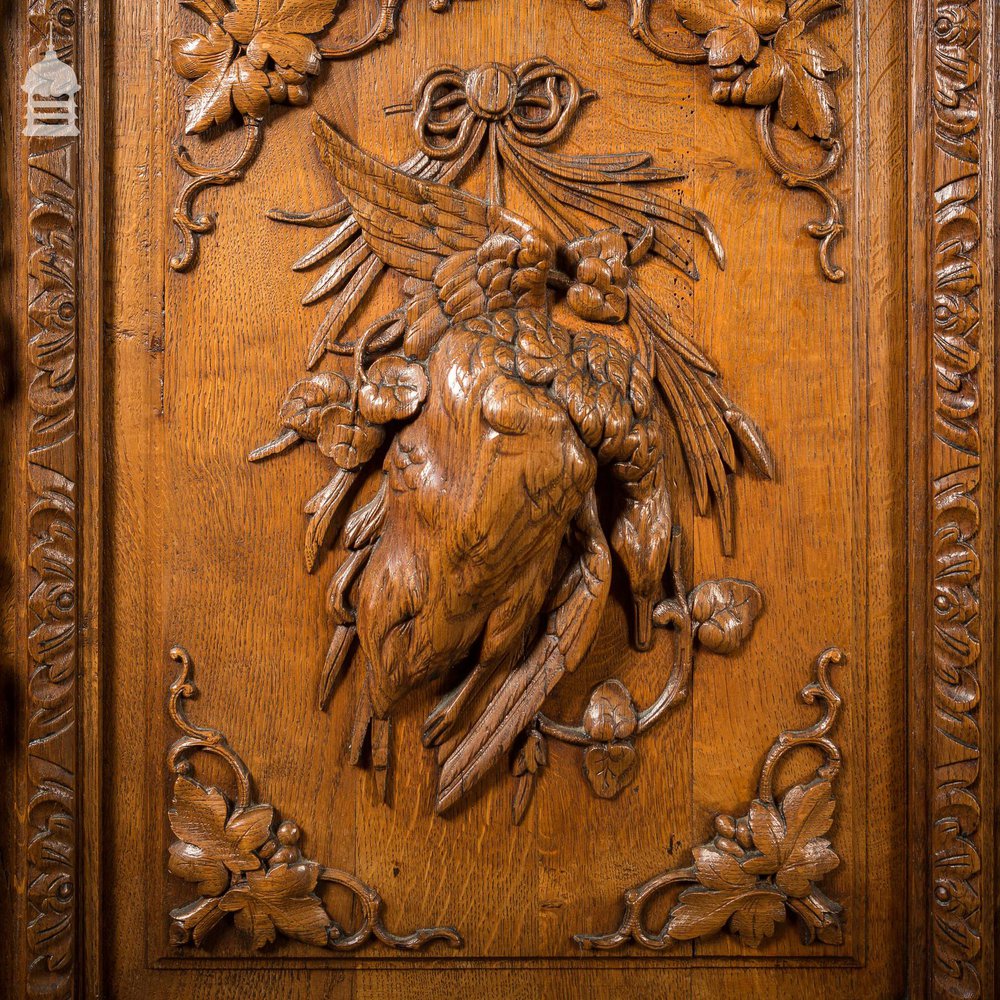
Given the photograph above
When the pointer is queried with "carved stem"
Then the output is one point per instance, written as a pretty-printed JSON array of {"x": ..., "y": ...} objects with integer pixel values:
[
  {"x": 641, "y": 29},
  {"x": 673, "y": 614},
  {"x": 383, "y": 28},
  {"x": 191, "y": 226},
  {"x": 371, "y": 905},
  {"x": 815, "y": 735},
  {"x": 827, "y": 230},
  {"x": 198, "y": 737},
  {"x": 631, "y": 927}
]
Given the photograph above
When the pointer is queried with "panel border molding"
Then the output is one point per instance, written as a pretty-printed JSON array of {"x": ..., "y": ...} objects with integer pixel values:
[{"x": 52, "y": 279}]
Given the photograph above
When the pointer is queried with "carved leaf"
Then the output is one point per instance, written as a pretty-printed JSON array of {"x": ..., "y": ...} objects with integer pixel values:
[
  {"x": 607, "y": 766},
  {"x": 807, "y": 101},
  {"x": 610, "y": 715},
  {"x": 758, "y": 87},
  {"x": 249, "y": 89},
  {"x": 394, "y": 390},
  {"x": 756, "y": 916},
  {"x": 212, "y": 11},
  {"x": 280, "y": 899},
  {"x": 195, "y": 55},
  {"x": 701, "y": 16},
  {"x": 206, "y": 60},
  {"x": 805, "y": 10},
  {"x": 790, "y": 840},
  {"x": 213, "y": 842},
  {"x": 734, "y": 40},
  {"x": 732, "y": 29},
  {"x": 350, "y": 442},
  {"x": 720, "y": 869},
  {"x": 700, "y": 912},
  {"x": 533, "y": 756},
  {"x": 765, "y": 15},
  {"x": 726, "y": 611},
  {"x": 293, "y": 16}
]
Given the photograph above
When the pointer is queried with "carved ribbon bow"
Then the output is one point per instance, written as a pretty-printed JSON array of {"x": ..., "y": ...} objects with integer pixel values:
[
  {"x": 532, "y": 104},
  {"x": 509, "y": 113}
]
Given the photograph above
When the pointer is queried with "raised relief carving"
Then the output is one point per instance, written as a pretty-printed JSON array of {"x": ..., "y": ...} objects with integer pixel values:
[
  {"x": 247, "y": 865},
  {"x": 761, "y": 865},
  {"x": 766, "y": 54},
  {"x": 958, "y": 256},
  {"x": 51, "y": 819},
  {"x": 492, "y": 404},
  {"x": 763, "y": 54}
]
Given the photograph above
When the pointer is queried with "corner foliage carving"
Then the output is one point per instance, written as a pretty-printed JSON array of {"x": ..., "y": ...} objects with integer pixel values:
[
  {"x": 760, "y": 866},
  {"x": 956, "y": 456},
  {"x": 247, "y": 865},
  {"x": 763, "y": 54}
]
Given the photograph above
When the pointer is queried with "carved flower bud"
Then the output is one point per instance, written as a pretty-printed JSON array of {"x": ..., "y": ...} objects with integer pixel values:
[
  {"x": 610, "y": 714},
  {"x": 743, "y": 836},
  {"x": 725, "y": 826}
]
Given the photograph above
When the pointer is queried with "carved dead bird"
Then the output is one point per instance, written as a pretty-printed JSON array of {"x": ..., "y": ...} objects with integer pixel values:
[{"x": 499, "y": 421}]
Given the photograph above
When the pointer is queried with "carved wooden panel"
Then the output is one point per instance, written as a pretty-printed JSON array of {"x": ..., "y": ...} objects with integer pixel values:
[{"x": 560, "y": 435}]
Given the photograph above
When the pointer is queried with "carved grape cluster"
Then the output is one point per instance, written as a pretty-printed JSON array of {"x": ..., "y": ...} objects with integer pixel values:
[{"x": 251, "y": 56}]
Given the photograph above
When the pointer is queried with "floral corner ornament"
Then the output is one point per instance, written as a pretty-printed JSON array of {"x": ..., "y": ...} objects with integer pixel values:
[
  {"x": 761, "y": 865},
  {"x": 766, "y": 54},
  {"x": 245, "y": 864}
]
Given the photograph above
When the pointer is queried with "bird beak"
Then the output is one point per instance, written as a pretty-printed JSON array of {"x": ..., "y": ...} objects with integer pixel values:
[{"x": 644, "y": 623}]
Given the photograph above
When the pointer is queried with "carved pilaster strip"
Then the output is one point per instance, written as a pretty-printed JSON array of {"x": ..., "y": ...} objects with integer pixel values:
[
  {"x": 51, "y": 259},
  {"x": 958, "y": 671}
]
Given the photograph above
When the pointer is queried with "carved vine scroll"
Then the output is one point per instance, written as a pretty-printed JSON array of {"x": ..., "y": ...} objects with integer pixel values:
[
  {"x": 762, "y": 53},
  {"x": 762, "y": 865},
  {"x": 51, "y": 716},
  {"x": 956, "y": 497},
  {"x": 247, "y": 865}
]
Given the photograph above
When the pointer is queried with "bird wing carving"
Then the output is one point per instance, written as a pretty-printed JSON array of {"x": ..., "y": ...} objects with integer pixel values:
[
  {"x": 710, "y": 427},
  {"x": 478, "y": 257},
  {"x": 568, "y": 634}
]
